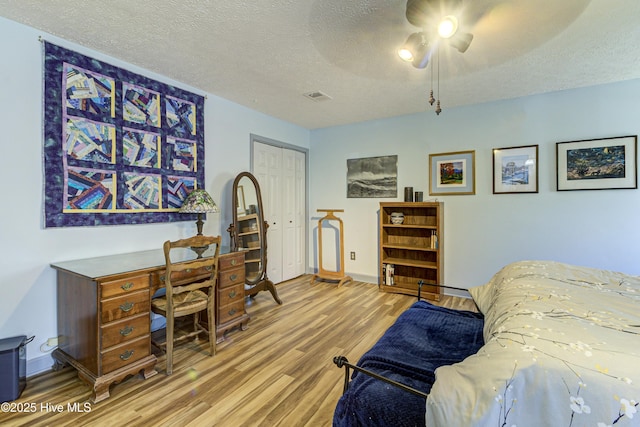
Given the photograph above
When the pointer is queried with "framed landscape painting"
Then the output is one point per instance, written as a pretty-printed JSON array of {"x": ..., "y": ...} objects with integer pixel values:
[
  {"x": 372, "y": 177},
  {"x": 452, "y": 173},
  {"x": 597, "y": 164},
  {"x": 515, "y": 170}
]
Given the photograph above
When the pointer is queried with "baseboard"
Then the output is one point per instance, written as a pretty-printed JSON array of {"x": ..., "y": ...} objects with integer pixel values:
[
  {"x": 364, "y": 278},
  {"x": 38, "y": 365},
  {"x": 457, "y": 293}
]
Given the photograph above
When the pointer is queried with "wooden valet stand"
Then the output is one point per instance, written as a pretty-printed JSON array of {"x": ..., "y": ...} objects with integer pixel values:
[{"x": 339, "y": 275}]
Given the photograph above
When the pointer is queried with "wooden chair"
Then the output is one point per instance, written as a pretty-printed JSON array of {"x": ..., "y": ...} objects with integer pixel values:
[{"x": 190, "y": 288}]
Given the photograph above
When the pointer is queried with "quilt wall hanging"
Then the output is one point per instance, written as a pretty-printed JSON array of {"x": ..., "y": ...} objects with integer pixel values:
[{"x": 119, "y": 148}]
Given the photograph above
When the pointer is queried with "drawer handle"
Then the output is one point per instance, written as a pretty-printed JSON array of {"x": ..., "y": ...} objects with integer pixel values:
[
  {"x": 232, "y": 312},
  {"x": 162, "y": 278},
  {"x": 126, "y": 330},
  {"x": 127, "y": 286},
  {"x": 233, "y": 277},
  {"x": 126, "y": 355},
  {"x": 127, "y": 306},
  {"x": 188, "y": 270},
  {"x": 234, "y": 261},
  {"x": 208, "y": 268},
  {"x": 232, "y": 294}
]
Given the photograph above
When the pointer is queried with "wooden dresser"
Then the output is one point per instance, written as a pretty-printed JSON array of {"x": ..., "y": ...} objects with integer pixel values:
[
  {"x": 230, "y": 308},
  {"x": 103, "y": 328},
  {"x": 104, "y": 317}
]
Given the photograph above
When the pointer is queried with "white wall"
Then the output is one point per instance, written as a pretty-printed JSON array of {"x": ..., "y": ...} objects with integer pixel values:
[
  {"x": 484, "y": 232},
  {"x": 27, "y": 283}
]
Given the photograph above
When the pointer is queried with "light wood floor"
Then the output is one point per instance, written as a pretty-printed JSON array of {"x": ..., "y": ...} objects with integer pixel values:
[{"x": 279, "y": 372}]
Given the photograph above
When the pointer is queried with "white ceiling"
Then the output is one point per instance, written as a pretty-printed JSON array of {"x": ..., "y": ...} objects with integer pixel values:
[{"x": 265, "y": 54}]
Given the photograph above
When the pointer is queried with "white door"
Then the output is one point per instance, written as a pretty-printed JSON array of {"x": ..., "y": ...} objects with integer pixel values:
[
  {"x": 289, "y": 214},
  {"x": 267, "y": 167},
  {"x": 281, "y": 174},
  {"x": 300, "y": 214}
]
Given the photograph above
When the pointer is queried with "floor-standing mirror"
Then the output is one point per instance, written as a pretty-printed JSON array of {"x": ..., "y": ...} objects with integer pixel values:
[{"x": 249, "y": 233}]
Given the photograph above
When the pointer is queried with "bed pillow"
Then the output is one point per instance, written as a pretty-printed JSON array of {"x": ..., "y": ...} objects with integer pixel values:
[{"x": 482, "y": 296}]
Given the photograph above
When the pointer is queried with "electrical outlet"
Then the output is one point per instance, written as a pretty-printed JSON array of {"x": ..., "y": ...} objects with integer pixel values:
[{"x": 353, "y": 256}]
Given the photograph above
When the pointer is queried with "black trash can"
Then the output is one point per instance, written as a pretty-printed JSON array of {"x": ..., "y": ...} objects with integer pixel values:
[{"x": 13, "y": 367}]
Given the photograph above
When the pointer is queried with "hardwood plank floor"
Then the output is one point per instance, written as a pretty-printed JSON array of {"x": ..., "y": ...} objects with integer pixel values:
[{"x": 279, "y": 372}]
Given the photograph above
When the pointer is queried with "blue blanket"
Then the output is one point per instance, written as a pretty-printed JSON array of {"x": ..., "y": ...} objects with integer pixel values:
[{"x": 423, "y": 338}]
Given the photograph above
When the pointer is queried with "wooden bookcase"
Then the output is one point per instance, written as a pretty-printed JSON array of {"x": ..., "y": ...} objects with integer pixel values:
[{"x": 413, "y": 249}]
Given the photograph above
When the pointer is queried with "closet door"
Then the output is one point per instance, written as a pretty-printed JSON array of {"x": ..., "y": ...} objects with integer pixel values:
[
  {"x": 301, "y": 213},
  {"x": 281, "y": 173},
  {"x": 293, "y": 180},
  {"x": 267, "y": 168}
]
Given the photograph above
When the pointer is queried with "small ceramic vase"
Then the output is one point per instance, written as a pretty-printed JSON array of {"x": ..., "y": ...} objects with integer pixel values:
[{"x": 397, "y": 217}]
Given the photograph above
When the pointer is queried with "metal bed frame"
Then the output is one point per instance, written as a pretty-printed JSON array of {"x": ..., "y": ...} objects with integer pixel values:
[{"x": 341, "y": 361}]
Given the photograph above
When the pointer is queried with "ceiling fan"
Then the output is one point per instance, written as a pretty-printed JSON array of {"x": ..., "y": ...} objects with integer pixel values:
[{"x": 439, "y": 20}]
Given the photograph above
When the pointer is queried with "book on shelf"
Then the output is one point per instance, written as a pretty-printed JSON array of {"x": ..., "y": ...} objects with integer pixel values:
[
  {"x": 387, "y": 274},
  {"x": 384, "y": 274},
  {"x": 433, "y": 240}
]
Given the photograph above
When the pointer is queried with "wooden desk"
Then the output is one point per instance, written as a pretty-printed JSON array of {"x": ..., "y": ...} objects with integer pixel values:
[{"x": 104, "y": 312}]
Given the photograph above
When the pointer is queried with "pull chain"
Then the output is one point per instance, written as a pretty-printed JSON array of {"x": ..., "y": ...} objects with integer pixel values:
[
  {"x": 431, "y": 98},
  {"x": 438, "y": 109}
]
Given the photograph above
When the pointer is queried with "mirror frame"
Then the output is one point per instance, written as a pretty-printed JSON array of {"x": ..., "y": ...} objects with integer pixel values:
[
  {"x": 235, "y": 238},
  {"x": 259, "y": 282}
]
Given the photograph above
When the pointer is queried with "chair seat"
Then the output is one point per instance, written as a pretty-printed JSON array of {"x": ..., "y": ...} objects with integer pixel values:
[{"x": 185, "y": 303}]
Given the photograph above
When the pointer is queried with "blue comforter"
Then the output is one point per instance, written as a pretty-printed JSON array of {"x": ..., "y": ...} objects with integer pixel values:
[{"x": 423, "y": 338}]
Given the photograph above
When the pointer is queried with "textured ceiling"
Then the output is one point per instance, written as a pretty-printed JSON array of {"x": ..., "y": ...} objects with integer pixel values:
[{"x": 266, "y": 54}]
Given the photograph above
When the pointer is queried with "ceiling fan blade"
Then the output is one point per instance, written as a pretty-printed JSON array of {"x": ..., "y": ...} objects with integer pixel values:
[
  {"x": 427, "y": 13},
  {"x": 420, "y": 12}
]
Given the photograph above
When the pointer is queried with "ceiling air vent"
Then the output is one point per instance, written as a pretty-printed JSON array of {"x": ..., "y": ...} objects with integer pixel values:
[{"x": 317, "y": 96}]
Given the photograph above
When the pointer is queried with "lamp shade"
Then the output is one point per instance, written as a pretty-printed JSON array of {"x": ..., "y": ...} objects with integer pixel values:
[{"x": 198, "y": 201}]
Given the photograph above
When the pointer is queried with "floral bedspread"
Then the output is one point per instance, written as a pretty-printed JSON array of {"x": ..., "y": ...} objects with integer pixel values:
[{"x": 562, "y": 348}]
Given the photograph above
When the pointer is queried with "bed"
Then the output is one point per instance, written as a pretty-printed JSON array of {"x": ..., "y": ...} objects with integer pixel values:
[{"x": 561, "y": 348}]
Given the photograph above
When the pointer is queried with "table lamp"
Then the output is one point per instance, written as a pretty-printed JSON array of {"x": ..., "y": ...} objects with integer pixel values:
[{"x": 199, "y": 202}]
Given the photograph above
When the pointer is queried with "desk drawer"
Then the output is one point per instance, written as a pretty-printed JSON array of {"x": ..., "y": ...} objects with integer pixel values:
[
  {"x": 124, "y": 286},
  {"x": 231, "y": 277},
  {"x": 231, "y": 260},
  {"x": 124, "y": 306},
  {"x": 126, "y": 329},
  {"x": 230, "y": 294},
  {"x": 177, "y": 277},
  {"x": 231, "y": 311},
  {"x": 125, "y": 354}
]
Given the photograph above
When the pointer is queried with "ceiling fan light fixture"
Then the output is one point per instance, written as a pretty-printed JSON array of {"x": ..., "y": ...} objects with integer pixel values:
[
  {"x": 414, "y": 50},
  {"x": 461, "y": 41},
  {"x": 448, "y": 26},
  {"x": 405, "y": 54}
]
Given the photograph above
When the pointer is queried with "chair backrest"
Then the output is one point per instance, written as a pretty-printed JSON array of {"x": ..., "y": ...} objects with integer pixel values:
[{"x": 184, "y": 276}]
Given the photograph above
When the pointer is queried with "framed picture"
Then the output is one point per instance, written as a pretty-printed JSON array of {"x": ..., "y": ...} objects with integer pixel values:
[
  {"x": 597, "y": 164},
  {"x": 242, "y": 204},
  {"x": 372, "y": 177},
  {"x": 452, "y": 173},
  {"x": 515, "y": 170}
]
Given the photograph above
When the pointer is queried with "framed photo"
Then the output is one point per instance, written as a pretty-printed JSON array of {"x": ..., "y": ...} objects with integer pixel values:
[
  {"x": 515, "y": 170},
  {"x": 452, "y": 173},
  {"x": 372, "y": 177},
  {"x": 597, "y": 164}
]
